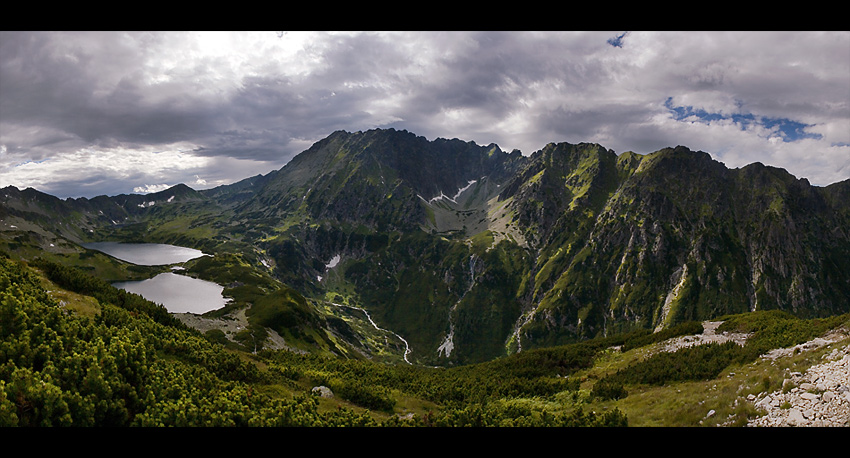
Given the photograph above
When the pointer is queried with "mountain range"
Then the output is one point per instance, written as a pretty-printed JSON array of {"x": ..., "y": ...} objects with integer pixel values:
[{"x": 469, "y": 252}]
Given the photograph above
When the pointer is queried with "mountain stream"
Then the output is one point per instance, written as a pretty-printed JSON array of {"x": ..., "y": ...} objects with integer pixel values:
[
  {"x": 368, "y": 317},
  {"x": 448, "y": 345}
]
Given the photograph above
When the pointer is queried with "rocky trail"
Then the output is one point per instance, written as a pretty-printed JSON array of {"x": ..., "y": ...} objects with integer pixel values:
[
  {"x": 819, "y": 397},
  {"x": 709, "y": 335}
]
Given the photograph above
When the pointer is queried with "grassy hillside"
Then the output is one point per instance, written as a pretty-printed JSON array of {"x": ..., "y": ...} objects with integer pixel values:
[{"x": 91, "y": 356}]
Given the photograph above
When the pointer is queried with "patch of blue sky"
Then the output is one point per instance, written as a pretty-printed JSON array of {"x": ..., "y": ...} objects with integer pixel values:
[
  {"x": 788, "y": 129},
  {"x": 31, "y": 162},
  {"x": 617, "y": 41}
]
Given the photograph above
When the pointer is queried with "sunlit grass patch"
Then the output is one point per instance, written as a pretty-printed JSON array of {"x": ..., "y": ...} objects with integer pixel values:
[{"x": 80, "y": 304}]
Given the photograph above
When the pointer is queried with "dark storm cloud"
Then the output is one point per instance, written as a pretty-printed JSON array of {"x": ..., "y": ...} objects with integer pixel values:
[
  {"x": 151, "y": 109},
  {"x": 267, "y": 113},
  {"x": 497, "y": 68},
  {"x": 596, "y": 122},
  {"x": 96, "y": 93},
  {"x": 478, "y": 81},
  {"x": 80, "y": 90}
]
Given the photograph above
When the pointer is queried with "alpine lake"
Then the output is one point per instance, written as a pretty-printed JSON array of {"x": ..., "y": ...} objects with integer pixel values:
[{"x": 177, "y": 293}]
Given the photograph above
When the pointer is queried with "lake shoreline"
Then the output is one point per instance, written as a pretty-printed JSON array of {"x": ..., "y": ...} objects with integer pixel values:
[
  {"x": 146, "y": 254},
  {"x": 177, "y": 293}
]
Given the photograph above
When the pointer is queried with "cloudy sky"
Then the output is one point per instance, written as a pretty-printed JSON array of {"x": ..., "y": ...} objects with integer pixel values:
[{"x": 90, "y": 113}]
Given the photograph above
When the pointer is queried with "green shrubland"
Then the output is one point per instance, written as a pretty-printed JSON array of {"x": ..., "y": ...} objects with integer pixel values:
[{"x": 132, "y": 364}]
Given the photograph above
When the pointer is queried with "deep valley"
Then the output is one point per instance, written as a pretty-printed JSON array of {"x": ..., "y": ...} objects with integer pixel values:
[{"x": 433, "y": 263}]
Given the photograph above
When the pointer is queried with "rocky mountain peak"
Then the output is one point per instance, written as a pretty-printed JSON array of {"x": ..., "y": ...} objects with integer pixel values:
[{"x": 457, "y": 245}]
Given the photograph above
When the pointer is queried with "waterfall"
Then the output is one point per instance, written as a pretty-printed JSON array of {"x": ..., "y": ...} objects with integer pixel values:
[{"x": 448, "y": 345}]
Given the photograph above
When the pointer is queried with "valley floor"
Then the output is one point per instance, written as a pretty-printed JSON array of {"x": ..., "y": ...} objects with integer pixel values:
[{"x": 817, "y": 397}]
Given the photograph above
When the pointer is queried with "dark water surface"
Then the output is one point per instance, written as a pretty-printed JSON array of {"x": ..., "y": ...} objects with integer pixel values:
[{"x": 146, "y": 254}]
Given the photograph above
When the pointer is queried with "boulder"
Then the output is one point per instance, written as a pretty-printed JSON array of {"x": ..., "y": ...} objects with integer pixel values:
[{"x": 323, "y": 391}]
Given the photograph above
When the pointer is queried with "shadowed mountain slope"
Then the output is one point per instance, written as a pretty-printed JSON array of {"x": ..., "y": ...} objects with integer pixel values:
[{"x": 469, "y": 253}]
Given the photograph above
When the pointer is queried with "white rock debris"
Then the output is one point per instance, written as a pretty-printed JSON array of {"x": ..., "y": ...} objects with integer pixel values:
[
  {"x": 819, "y": 397},
  {"x": 709, "y": 335}
]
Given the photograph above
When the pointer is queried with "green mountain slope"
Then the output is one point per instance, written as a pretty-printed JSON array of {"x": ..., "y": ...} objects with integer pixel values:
[
  {"x": 469, "y": 253},
  {"x": 681, "y": 237},
  {"x": 78, "y": 352}
]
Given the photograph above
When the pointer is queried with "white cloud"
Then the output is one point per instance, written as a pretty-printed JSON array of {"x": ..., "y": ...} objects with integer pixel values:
[
  {"x": 93, "y": 105},
  {"x": 92, "y": 167},
  {"x": 718, "y": 102},
  {"x": 149, "y": 188}
]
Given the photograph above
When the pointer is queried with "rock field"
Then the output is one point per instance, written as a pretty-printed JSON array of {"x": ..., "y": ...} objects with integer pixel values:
[
  {"x": 819, "y": 397},
  {"x": 709, "y": 335}
]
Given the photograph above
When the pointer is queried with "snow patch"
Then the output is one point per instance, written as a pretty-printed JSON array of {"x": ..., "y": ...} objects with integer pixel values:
[
  {"x": 461, "y": 190},
  {"x": 440, "y": 197},
  {"x": 445, "y": 349},
  {"x": 451, "y": 199},
  {"x": 333, "y": 263}
]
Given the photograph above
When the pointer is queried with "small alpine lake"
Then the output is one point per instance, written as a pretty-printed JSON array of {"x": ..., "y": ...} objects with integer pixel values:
[
  {"x": 146, "y": 254},
  {"x": 177, "y": 293}
]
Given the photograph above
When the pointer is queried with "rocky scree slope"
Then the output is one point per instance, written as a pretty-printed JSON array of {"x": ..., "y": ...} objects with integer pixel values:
[{"x": 819, "y": 397}]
